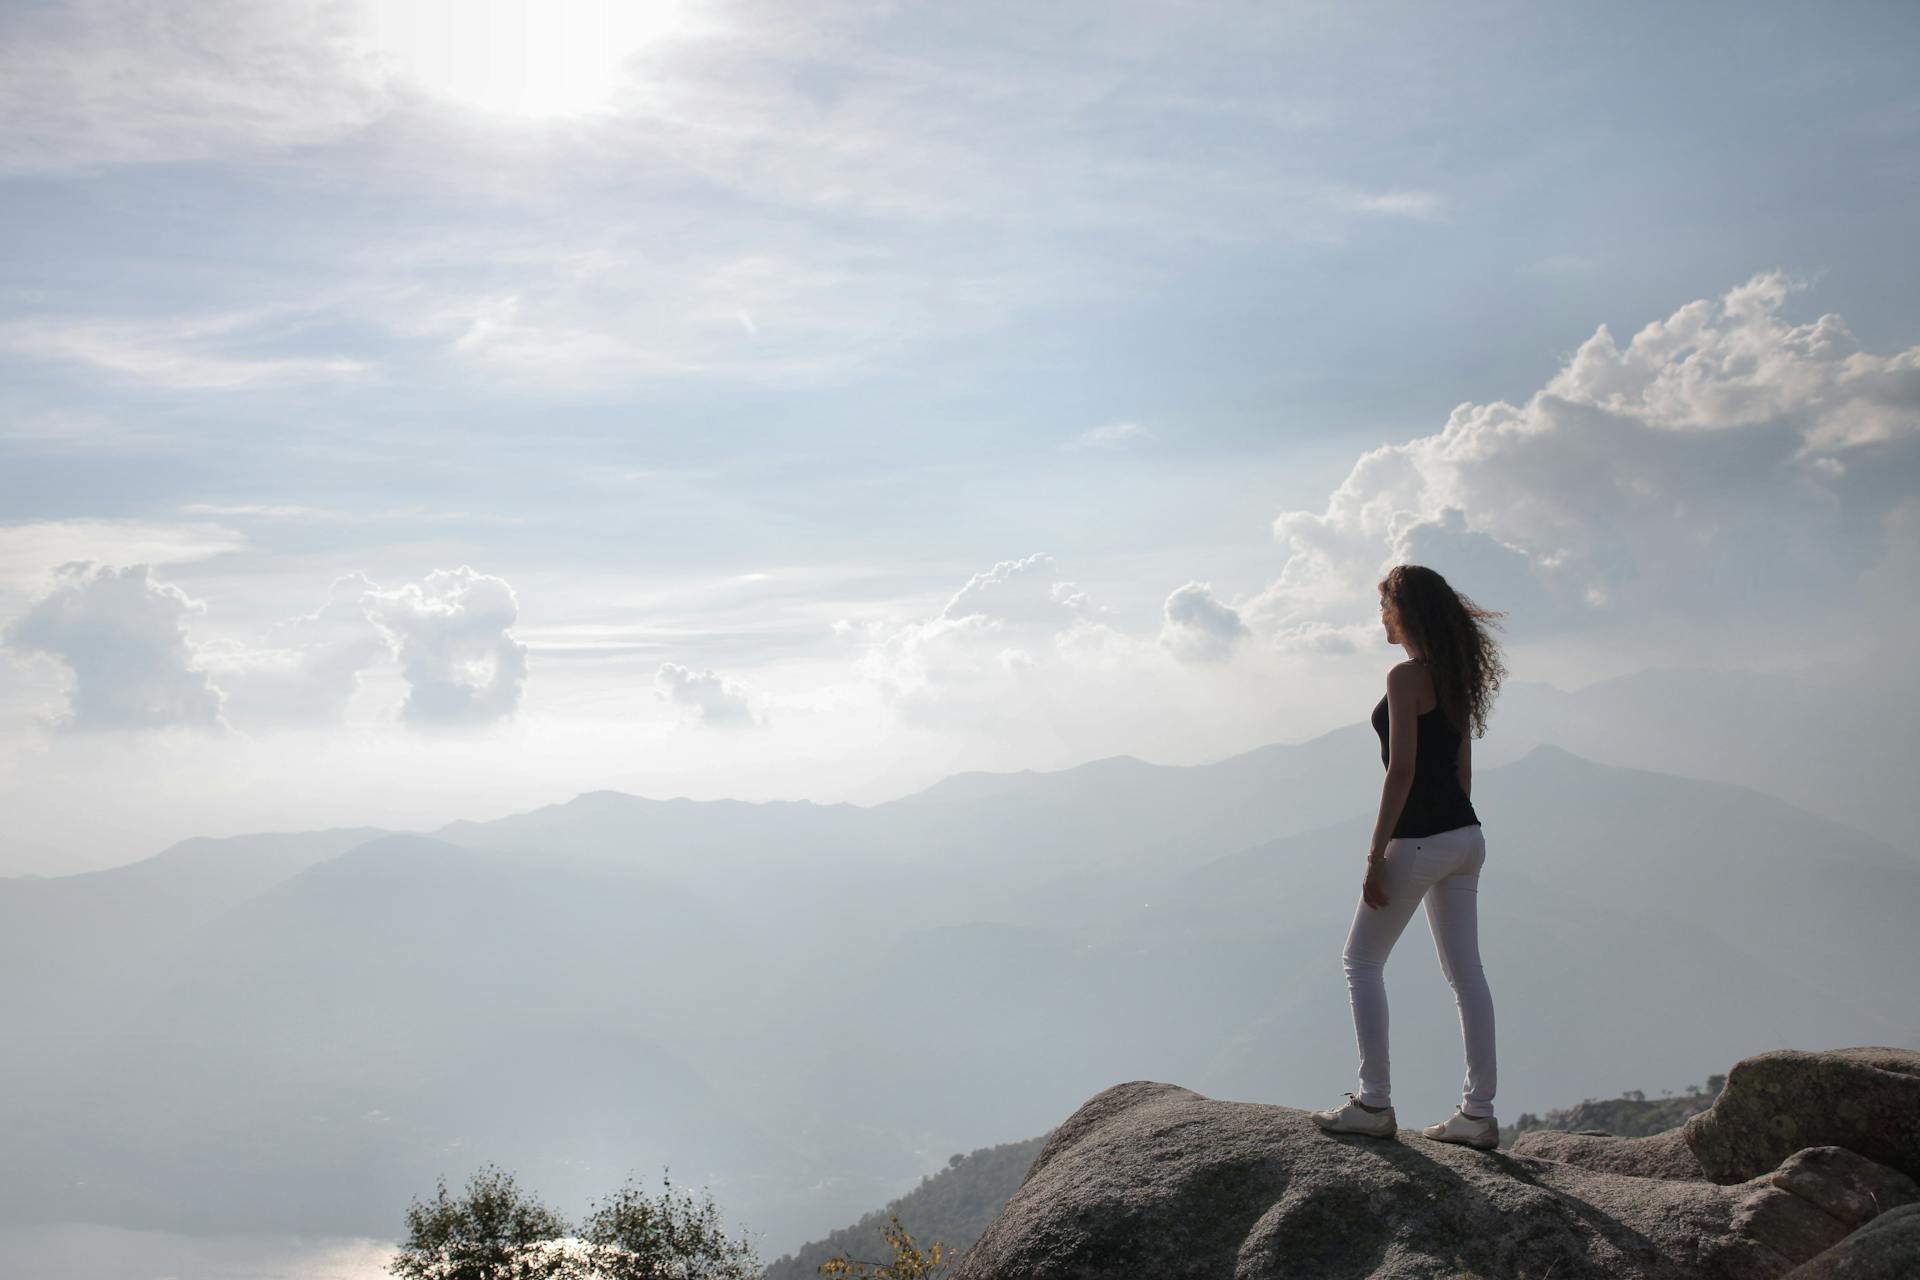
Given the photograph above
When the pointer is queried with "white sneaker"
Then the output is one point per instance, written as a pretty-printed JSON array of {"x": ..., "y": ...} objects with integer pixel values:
[
  {"x": 1479, "y": 1132},
  {"x": 1354, "y": 1118}
]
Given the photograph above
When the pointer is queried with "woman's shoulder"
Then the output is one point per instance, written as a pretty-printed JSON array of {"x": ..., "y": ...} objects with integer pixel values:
[
  {"x": 1410, "y": 673},
  {"x": 1412, "y": 678}
]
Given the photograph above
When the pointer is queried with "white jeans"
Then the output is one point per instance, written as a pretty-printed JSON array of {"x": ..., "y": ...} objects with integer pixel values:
[{"x": 1445, "y": 869}]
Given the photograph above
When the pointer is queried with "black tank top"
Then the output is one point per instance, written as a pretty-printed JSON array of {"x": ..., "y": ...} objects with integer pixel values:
[{"x": 1435, "y": 802}]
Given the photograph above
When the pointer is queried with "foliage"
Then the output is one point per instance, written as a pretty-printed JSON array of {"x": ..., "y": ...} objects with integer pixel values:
[
  {"x": 1631, "y": 1115},
  {"x": 955, "y": 1205},
  {"x": 908, "y": 1262},
  {"x": 495, "y": 1232},
  {"x": 634, "y": 1237}
]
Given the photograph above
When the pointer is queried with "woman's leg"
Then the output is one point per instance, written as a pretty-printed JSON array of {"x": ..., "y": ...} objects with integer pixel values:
[
  {"x": 1453, "y": 915},
  {"x": 1369, "y": 942}
]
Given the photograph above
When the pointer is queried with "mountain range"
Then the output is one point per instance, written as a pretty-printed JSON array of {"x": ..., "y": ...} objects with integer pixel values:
[{"x": 807, "y": 1007}]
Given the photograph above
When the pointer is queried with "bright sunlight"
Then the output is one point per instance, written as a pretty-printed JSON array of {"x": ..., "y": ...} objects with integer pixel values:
[{"x": 525, "y": 58}]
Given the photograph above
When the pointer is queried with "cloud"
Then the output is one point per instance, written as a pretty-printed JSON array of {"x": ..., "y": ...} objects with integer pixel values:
[
  {"x": 29, "y": 551},
  {"x": 1017, "y": 591},
  {"x": 720, "y": 703},
  {"x": 124, "y": 636},
  {"x": 1198, "y": 627},
  {"x": 1115, "y": 435},
  {"x": 1323, "y": 638},
  {"x": 1014, "y": 641},
  {"x": 819, "y": 309},
  {"x": 763, "y": 141},
  {"x": 101, "y": 82},
  {"x": 1420, "y": 205},
  {"x": 307, "y": 668},
  {"x": 452, "y": 635},
  {"x": 179, "y": 353},
  {"x": 1724, "y": 465}
]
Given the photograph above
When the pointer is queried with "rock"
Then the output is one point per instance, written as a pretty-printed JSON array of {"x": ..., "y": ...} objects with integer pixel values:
[
  {"x": 1888, "y": 1248},
  {"x": 1150, "y": 1179},
  {"x": 1663, "y": 1155},
  {"x": 1815, "y": 1198},
  {"x": 1845, "y": 1185},
  {"x": 1774, "y": 1104}
]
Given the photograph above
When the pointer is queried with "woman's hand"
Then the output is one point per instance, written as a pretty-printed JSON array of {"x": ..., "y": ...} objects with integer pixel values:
[{"x": 1373, "y": 891}]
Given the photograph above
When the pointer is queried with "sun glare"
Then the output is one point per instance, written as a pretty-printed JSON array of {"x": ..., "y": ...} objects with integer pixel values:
[{"x": 526, "y": 58}]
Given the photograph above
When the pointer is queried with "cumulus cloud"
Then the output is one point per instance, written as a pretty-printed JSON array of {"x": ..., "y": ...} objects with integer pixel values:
[
  {"x": 719, "y": 702},
  {"x": 452, "y": 635},
  {"x": 1017, "y": 591},
  {"x": 1322, "y": 638},
  {"x": 1199, "y": 627},
  {"x": 28, "y": 550},
  {"x": 1724, "y": 463},
  {"x": 124, "y": 635},
  {"x": 307, "y": 668},
  {"x": 1014, "y": 639}
]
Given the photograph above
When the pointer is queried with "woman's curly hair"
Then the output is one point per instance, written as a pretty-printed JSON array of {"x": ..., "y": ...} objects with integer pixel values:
[{"x": 1451, "y": 634}]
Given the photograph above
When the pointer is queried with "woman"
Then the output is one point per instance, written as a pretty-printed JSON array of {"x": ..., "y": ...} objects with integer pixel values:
[{"x": 1426, "y": 843}]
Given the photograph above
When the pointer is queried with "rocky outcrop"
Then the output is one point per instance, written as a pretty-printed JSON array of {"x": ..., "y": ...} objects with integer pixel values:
[
  {"x": 1150, "y": 1179},
  {"x": 1888, "y": 1248},
  {"x": 1866, "y": 1100},
  {"x": 1774, "y": 1104},
  {"x": 1660, "y": 1155}
]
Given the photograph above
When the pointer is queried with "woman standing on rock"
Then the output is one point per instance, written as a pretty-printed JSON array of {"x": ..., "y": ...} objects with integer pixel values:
[{"x": 1426, "y": 843}]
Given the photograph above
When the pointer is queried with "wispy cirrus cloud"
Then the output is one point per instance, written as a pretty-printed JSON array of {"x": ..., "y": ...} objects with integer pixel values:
[
  {"x": 177, "y": 353},
  {"x": 919, "y": 223},
  {"x": 31, "y": 551},
  {"x": 112, "y": 82},
  {"x": 1113, "y": 435},
  {"x": 1416, "y": 203}
]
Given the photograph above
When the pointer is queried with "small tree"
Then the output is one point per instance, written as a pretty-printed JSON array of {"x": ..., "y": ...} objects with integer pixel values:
[
  {"x": 908, "y": 1262},
  {"x": 495, "y": 1232},
  {"x": 634, "y": 1237}
]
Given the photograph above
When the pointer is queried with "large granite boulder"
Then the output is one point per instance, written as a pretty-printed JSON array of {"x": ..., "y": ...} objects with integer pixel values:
[
  {"x": 1659, "y": 1155},
  {"x": 1866, "y": 1100},
  {"x": 1150, "y": 1179},
  {"x": 1888, "y": 1248},
  {"x": 1774, "y": 1104}
]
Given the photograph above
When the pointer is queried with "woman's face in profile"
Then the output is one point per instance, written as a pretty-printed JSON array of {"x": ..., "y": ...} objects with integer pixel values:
[{"x": 1390, "y": 619}]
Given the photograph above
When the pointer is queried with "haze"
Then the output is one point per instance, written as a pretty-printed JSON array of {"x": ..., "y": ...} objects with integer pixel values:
[{"x": 414, "y": 433}]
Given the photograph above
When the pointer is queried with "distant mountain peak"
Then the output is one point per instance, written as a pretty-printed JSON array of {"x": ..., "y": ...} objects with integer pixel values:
[{"x": 607, "y": 797}]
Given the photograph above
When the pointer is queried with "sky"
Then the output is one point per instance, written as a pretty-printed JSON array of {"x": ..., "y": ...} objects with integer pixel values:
[{"x": 433, "y": 410}]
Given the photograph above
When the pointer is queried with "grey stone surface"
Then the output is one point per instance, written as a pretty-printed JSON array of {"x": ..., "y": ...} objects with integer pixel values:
[
  {"x": 1815, "y": 1198},
  {"x": 1660, "y": 1155},
  {"x": 1865, "y": 1099},
  {"x": 1152, "y": 1180},
  {"x": 1845, "y": 1185},
  {"x": 1888, "y": 1248}
]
